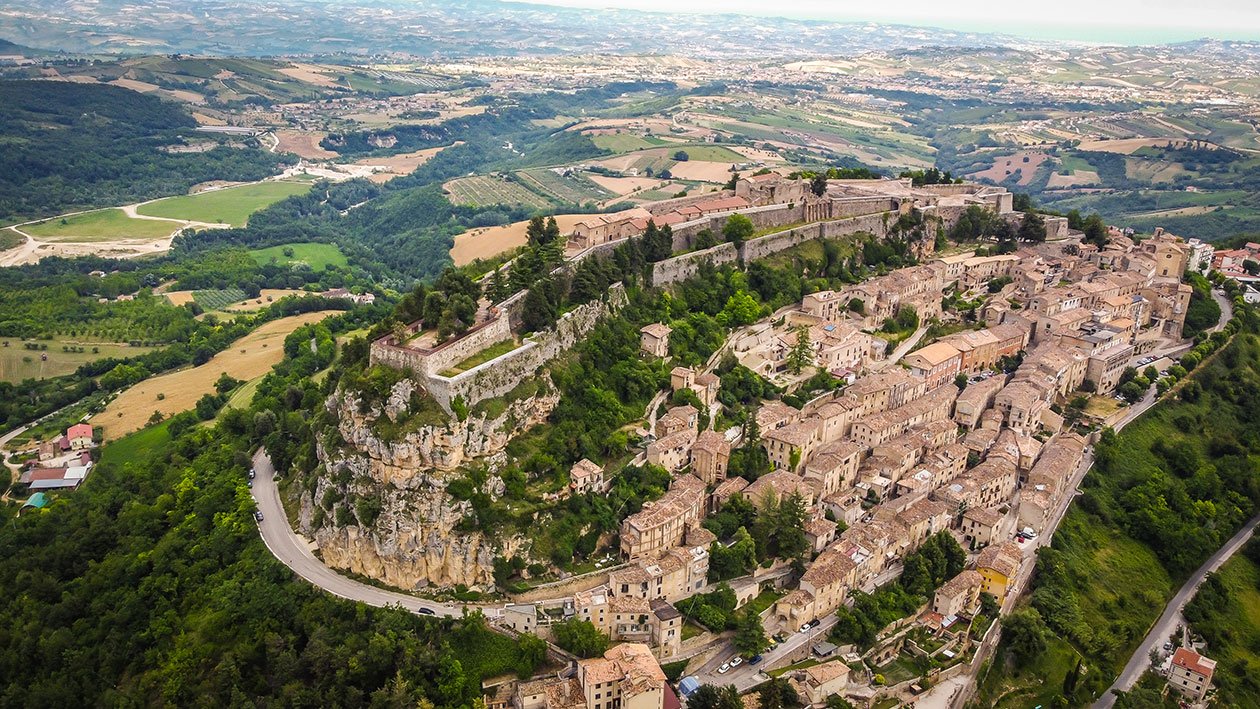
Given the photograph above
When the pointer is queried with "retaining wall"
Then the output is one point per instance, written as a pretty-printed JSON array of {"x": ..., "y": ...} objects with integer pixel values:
[
  {"x": 501, "y": 374},
  {"x": 680, "y": 268}
]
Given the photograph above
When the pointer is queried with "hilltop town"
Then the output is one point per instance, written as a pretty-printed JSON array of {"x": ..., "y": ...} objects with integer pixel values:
[
  {"x": 498, "y": 355},
  {"x": 974, "y": 437}
]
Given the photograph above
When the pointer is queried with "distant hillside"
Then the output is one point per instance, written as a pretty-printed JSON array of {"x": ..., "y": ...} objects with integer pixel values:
[
  {"x": 450, "y": 28},
  {"x": 70, "y": 145},
  {"x": 7, "y": 47}
]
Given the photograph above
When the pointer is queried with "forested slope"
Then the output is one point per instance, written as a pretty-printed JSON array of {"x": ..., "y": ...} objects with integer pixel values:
[
  {"x": 1163, "y": 495},
  {"x": 151, "y": 586},
  {"x": 71, "y": 145}
]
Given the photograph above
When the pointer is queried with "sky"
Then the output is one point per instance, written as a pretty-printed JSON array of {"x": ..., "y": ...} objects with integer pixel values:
[{"x": 1108, "y": 21}]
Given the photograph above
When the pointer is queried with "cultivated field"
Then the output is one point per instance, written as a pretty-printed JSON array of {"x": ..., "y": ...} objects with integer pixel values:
[
  {"x": 625, "y": 142},
  {"x": 485, "y": 190},
  {"x": 232, "y": 299},
  {"x": 100, "y": 225},
  {"x": 18, "y": 363},
  {"x": 316, "y": 255},
  {"x": 1126, "y": 146},
  {"x": 625, "y": 185},
  {"x": 403, "y": 164},
  {"x": 1077, "y": 178},
  {"x": 492, "y": 241},
  {"x": 703, "y": 171},
  {"x": 231, "y": 206},
  {"x": 571, "y": 189},
  {"x": 247, "y": 358},
  {"x": 1026, "y": 162},
  {"x": 303, "y": 144}
]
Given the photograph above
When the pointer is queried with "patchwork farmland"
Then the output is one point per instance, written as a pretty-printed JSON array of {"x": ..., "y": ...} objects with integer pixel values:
[{"x": 485, "y": 190}]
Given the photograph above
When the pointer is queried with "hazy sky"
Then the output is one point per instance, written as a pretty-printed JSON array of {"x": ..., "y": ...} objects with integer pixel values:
[{"x": 1120, "y": 21}]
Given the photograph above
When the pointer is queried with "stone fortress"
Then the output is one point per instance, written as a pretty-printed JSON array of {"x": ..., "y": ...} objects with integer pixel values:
[{"x": 768, "y": 200}]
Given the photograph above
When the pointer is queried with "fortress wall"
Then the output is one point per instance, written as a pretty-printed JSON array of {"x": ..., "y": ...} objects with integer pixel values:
[
  {"x": 501, "y": 374},
  {"x": 771, "y": 215},
  {"x": 680, "y": 268},
  {"x": 666, "y": 206}
]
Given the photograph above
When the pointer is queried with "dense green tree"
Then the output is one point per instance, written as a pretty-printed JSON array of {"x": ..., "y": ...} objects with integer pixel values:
[
  {"x": 1024, "y": 635},
  {"x": 801, "y": 355},
  {"x": 537, "y": 312},
  {"x": 750, "y": 636},
  {"x": 580, "y": 637},
  {"x": 708, "y": 696},
  {"x": 738, "y": 229},
  {"x": 1032, "y": 229}
]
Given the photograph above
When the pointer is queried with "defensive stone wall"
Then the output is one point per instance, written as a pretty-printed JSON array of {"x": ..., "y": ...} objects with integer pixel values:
[
  {"x": 680, "y": 268},
  {"x": 771, "y": 215},
  {"x": 423, "y": 362},
  {"x": 764, "y": 246},
  {"x": 501, "y": 374},
  {"x": 666, "y": 206}
]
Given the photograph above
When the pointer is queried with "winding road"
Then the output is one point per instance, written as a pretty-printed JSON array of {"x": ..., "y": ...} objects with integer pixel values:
[
  {"x": 295, "y": 553},
  {"x": 1171, "y": 616}
]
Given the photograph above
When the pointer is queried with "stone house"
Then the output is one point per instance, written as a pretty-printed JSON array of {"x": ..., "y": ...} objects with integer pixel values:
[
  {"x": 654, "y": 340},
  {"x": 710, "y": 455},
  {"x": 959, "y": 595}
]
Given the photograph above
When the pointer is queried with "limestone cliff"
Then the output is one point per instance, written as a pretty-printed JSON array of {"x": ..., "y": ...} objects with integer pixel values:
[{"x": 380, "y": 505}]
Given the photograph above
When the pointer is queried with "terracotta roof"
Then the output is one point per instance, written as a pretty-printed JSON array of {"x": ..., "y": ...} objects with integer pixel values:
[
  {"x": 934, "y": 354},
  {"x": 657, "y": 330},
  {"x": 711, "y": 442},
  {"x": 987, "y": 516},
  {"x": 1004, "y": 558},
  {"x": 963, "y": 581},
  {"x": 799, "y": 434},
  {"x": 826, "y": 672},
  {"x": 1193, "y": 661},
  {"x": 832, "y": 565}
]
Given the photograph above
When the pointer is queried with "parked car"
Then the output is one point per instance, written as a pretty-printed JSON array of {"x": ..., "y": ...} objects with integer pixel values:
[
  {"x": 737, "y": 661},
  {"x": 754, "y": 659},
  {"x": 805, "y": 628},
  {"x": 258, "y": 517},
  {"x": 726, "y": 667},
  {"x": 815, "y": 623}
]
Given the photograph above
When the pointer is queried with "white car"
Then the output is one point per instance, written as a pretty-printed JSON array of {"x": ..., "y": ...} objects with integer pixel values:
[
  {"x": 805, "y": 628},
  {"x": 726, "y": 667},
  {"x": 737, "y": 661}
]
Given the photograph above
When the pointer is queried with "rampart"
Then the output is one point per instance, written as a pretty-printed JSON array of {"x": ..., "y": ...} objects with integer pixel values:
[
  {"x": 680, "y": 268},
  {"x": 500, "y": 374}
]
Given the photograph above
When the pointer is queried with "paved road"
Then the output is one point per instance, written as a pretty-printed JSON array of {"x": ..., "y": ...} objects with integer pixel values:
[
  {"x": 1167, "y": 622},
  {"x": 745, "y": 676},
  {"x": 293, "y": 552}
]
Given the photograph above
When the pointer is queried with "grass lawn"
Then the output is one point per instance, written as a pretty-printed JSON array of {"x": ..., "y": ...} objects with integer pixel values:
[
  {"x": 315, "y": 255},
  {"x": 1001, "y": 685},
  {"x": 489, "y": 353},
  {"x": 100, "y": 225},
  {"x": 626, "y": 142},
  {"x": 712, "y": 153},
  {"x": 798, "y": 666},
  {"x": 764, "y": 600},
  {"x": 135, "y": 447},
  {"x": 1075, "y": 163},
  {"x": 231, "y": 205},
  {"x": 18, "y": 363},
  {"x": 691, "y": 630},
  {"x": 10, "y": 239},
  {"x": 898, "y": 671}
]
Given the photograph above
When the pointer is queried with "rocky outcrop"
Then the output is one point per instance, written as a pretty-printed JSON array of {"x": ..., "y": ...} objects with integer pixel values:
[{"x": 380, "y": 505}]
